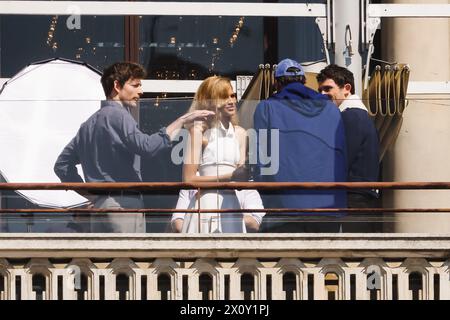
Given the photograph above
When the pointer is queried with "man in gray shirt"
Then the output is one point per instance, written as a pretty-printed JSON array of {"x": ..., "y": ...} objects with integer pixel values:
[{"x": 107, "y": 144}]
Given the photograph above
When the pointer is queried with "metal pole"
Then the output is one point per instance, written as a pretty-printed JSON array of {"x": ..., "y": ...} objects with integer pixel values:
[{"x": 347, "y": 31}]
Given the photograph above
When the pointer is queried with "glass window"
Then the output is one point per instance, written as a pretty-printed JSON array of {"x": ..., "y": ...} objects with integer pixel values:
[
  {"x": 190, "y": 47},
  {"x": 171, "y": 47},
  {"x": 195, "y": 47},
  {"x": 99, "y": 40}
]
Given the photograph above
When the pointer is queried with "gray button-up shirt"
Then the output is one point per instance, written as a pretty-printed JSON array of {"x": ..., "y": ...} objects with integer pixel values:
[{"x": 106, "y": 146}]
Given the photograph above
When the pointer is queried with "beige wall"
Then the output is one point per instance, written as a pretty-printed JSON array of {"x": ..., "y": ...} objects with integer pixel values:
[
  {"x": 422, "y": 43},
  {"x": 422, "y": 151}
]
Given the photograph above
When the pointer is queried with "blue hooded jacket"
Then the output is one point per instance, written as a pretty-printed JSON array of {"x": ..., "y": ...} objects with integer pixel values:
[{"x": 312, "y": 146}]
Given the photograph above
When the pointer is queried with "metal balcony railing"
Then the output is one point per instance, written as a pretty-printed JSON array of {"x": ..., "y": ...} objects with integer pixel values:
[
  {"x": 373, "y": 217},
  {"x": 257, "y": 266},
  {"x": 173, "y": 187}
]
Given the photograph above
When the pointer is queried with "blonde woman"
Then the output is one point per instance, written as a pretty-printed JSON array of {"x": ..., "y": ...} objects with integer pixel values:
[{"x": 215, "y": 152}]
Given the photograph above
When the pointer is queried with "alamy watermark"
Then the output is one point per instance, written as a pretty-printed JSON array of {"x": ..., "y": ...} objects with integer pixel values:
[
  {"x": 73, "y": 22},
  {"x": 263, "y": 145},
  {"x": 373, "y": 277},
  {"x": 74, "y": 277}
]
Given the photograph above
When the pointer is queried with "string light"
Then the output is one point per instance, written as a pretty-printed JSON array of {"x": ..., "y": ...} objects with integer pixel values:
[
  {"x": 236, "y": 31},
  {"x": 193, "y": 74},
  {"x": 213, "y": 50},
  {"x": 51, "y": 33}
]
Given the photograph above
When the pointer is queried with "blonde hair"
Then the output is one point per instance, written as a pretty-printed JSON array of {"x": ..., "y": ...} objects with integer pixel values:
[{"x": 211, "y": 95}]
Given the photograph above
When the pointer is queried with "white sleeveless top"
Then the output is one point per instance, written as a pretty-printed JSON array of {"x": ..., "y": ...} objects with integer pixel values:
[{"x": 222, "y": 154}]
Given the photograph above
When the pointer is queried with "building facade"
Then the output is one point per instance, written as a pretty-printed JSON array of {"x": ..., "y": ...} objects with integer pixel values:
[{"x": 179, "y": 48}]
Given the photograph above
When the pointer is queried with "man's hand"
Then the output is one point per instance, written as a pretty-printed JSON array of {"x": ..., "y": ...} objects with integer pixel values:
[
  {"x": 90, "y": 205},
  {"x": 91, "y": 197},
  {"x": 197, "y": 115}
]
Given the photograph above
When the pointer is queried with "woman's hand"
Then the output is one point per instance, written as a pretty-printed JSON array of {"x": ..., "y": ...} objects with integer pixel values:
[
  {"x": 251, "y": 224},
  {"x": 177, "y": 225},
  {"x": 240, "y": 174}
]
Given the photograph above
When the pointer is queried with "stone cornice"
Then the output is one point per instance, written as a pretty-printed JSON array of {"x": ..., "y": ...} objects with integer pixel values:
[{"x": 223, "y": 246}]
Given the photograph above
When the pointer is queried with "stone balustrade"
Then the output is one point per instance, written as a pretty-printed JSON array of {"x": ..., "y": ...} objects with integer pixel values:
[{"x": 222, "y": 267}]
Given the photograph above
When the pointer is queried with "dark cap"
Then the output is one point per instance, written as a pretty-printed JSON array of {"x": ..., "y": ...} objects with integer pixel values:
[{"x": 289, "y": 67}]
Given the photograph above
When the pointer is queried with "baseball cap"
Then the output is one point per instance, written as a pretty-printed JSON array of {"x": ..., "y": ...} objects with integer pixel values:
[{"x": 289, "y": 67}]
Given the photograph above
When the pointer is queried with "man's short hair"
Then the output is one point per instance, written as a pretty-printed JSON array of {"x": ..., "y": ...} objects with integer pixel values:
[
  {"x": 122, "y": 72},
  {"x": 340, "y": 75},
  {"x": 284, "y": 81}
]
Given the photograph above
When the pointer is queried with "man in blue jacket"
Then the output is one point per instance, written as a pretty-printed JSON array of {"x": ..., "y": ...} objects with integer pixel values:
[
  {"x": 311, "y": 148},
  {"x": 108, "y": 143},
  {"x": 361, "y": 136}
]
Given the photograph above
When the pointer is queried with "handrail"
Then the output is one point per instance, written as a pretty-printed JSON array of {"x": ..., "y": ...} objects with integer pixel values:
[
  {"x": 154, "y": 187},
  {"x": 267, "y": 210},
  {"x": 171, "y": 186}
]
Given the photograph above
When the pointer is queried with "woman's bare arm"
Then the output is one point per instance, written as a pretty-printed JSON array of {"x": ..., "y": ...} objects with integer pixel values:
[
  {"x": 193, "y": 158},
  {"x": 241, "y": 172},
  {"x": 242, "y": 138}
]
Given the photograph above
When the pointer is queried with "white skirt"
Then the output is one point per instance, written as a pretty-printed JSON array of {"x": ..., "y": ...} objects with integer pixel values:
[{"x": 213, "y": 222}]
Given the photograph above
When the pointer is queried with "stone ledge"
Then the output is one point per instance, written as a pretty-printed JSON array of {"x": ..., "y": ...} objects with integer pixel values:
[{"x": 224, "y": 246}]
